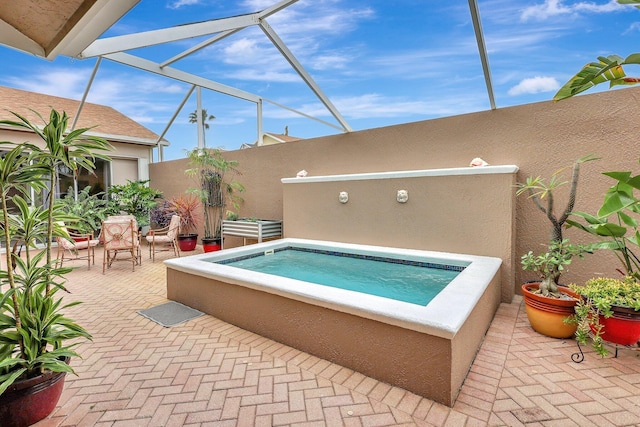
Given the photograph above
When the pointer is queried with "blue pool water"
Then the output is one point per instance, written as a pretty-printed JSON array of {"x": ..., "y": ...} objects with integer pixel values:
[{"x": 412, "y": 282}]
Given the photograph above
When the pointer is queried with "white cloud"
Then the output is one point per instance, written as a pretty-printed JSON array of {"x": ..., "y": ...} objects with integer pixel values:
[
  {"x": 180, "y": 3},
  {"x": 535, "y": 85},
  {"x": 63, "y": 82},
  {"x": 552, "y": 8}
]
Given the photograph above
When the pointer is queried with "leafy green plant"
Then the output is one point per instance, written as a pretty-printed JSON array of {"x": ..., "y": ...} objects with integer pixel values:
[
  {"x": 215, "y": 189},
  {"x": 551, "y": 264},
  {"x": 33, "y": 331},
  {"x": 135, "y": 198},
  {"x": 90, "y": 209},
  {"x": 616, "y": 222},
  {"x": 600, "y": 295}
]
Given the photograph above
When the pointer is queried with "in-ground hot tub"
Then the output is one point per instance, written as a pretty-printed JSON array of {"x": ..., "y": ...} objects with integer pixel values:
[{"x": 424, "y": 349}]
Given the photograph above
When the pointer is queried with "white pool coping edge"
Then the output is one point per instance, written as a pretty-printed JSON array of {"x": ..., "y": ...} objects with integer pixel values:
[
  {"x": 442, "y": 317},
  {"x": 478, "y": 170}
]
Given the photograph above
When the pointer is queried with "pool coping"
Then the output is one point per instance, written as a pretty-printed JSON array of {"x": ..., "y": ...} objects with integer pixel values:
[{"x": 437, "y": 318}]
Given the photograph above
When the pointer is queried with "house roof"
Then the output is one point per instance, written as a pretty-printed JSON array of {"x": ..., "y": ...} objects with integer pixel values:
[{"x": 106, "y": 121}]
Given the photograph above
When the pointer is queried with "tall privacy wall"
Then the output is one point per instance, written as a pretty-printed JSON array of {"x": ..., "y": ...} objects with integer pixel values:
[
  {"x": 540, "y": 138},
  {"x": 448, "y": 210}
]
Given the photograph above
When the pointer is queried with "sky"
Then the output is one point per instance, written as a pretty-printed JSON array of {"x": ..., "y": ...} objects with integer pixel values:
[{"x": 380, "y": 63}]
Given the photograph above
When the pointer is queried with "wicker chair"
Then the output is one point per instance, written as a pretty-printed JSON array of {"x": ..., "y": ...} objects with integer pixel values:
[
  {"x": 69, "y": 249},
  {"x": 164, "y": 239},
  {"x": 120, "y": 236}
]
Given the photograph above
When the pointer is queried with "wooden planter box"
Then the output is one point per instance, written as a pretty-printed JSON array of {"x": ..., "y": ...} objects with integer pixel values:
[{"x": 254, "y": 229}]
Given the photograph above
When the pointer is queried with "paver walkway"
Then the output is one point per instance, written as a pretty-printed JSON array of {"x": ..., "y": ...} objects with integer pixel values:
[{"x": 206, "y": 372}]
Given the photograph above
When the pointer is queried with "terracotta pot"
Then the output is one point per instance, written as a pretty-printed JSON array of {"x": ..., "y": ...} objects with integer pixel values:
[
  {"x": 546, "y": 315},
  {"x": 622, "y": 328},
  {"x": 28, "y": 401},
  {"x": 187, "y": 242}
]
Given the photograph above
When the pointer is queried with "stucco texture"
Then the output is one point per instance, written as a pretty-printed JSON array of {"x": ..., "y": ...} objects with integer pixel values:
[{"x": 539, "y": 138}]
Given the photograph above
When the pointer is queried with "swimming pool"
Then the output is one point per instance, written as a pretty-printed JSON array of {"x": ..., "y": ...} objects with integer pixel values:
[
  {"x": 426, "y": 349},
  {"x": 415, "y": 282}
]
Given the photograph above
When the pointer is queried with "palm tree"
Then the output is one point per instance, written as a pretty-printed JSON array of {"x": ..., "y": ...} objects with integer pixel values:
[{"x": 193, "y": 118}]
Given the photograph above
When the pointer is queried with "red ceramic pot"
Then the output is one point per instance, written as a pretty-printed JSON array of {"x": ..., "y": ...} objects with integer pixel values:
[
  {"x": 28, "y": 401},
  {"x": 622, "y": 328}
]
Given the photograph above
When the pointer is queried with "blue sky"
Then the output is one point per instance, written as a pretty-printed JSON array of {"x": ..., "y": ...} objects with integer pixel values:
[{"x": 381, "y": 63}]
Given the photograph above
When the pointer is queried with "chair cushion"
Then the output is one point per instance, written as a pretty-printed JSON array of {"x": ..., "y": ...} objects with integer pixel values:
[{"x": 159, "y": 239}]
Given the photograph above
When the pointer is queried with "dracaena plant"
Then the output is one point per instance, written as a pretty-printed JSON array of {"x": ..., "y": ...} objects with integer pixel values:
[
  {"x": 216, "y": 187},
  {"x": 34, "y": 331}
]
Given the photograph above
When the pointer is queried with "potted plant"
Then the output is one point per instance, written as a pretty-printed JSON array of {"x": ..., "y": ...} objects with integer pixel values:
[
  {"x": 609, "y": 308},
  {"x": 90, "y": 209},
  {"x": 187, "y": 206},
  {"x": 547, "y": 303},
  {"x": 36, "y": 338},
  {"x": 609, "y": 311},
  {"x": 216, "y": 189},
  {"x": 134, "y": 198},
  {"x": 616, "y": 222}
]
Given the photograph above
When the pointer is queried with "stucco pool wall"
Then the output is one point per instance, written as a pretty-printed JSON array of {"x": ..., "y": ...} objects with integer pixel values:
[{"x": 426, "y": 350}]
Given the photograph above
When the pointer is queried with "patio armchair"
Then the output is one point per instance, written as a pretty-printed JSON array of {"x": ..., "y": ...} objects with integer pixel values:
[
  {"x": 164, "y": 239},
  {"x": 120, "y": 235},
  {"x": 69, "y": 248}
]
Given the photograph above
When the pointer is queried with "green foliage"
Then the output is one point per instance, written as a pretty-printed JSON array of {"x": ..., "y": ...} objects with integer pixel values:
[
  {"x": 33, "y": 330},
  {"x": 216, "y": 189},
  {"x": 89, "y": 209},
  {"x": 551, "y": 264},
  {"x": 599, "y": 296},
  {"x": 616, "y": 222},
  {"x": 135, "y": 198}
]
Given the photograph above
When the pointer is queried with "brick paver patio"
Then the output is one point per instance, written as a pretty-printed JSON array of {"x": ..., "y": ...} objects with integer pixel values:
[{"x": 206, "y": 372}]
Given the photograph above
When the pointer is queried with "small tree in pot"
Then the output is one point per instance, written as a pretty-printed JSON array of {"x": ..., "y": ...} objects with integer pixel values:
[
  {"x": 559, "y": 254},
  {"x": 548, "y": 305},
  {"x": 216, "y": 188}
]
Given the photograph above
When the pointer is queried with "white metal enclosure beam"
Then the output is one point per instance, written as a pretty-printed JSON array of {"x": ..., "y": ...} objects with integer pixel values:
[
  {"x": 482, "y": 50},
  {"x": 166, "y": 35},
  {"x": 284, "y": 50},
  {"x": 180, "y": 32},
  {"x": 152, "y": 67}
]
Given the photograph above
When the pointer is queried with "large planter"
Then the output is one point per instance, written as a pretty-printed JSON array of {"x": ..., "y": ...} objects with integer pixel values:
[
  {"x": 622, "y": 328},
  {"x": 187, "y": 242},
  {"x": 211, "y": 244},
  {"x": 546, "y": 315},
  {"x": 28, "y": 401},
  {"x": 258, "y": 229}
]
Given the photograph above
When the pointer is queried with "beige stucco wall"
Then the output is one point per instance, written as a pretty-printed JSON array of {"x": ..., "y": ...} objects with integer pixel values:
[
  {"x": 443, "y": 213},
  {"x": 539, "y": 138}
]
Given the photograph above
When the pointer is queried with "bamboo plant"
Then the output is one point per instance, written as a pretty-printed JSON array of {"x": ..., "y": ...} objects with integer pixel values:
[{"x": 212, "y": 172}]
